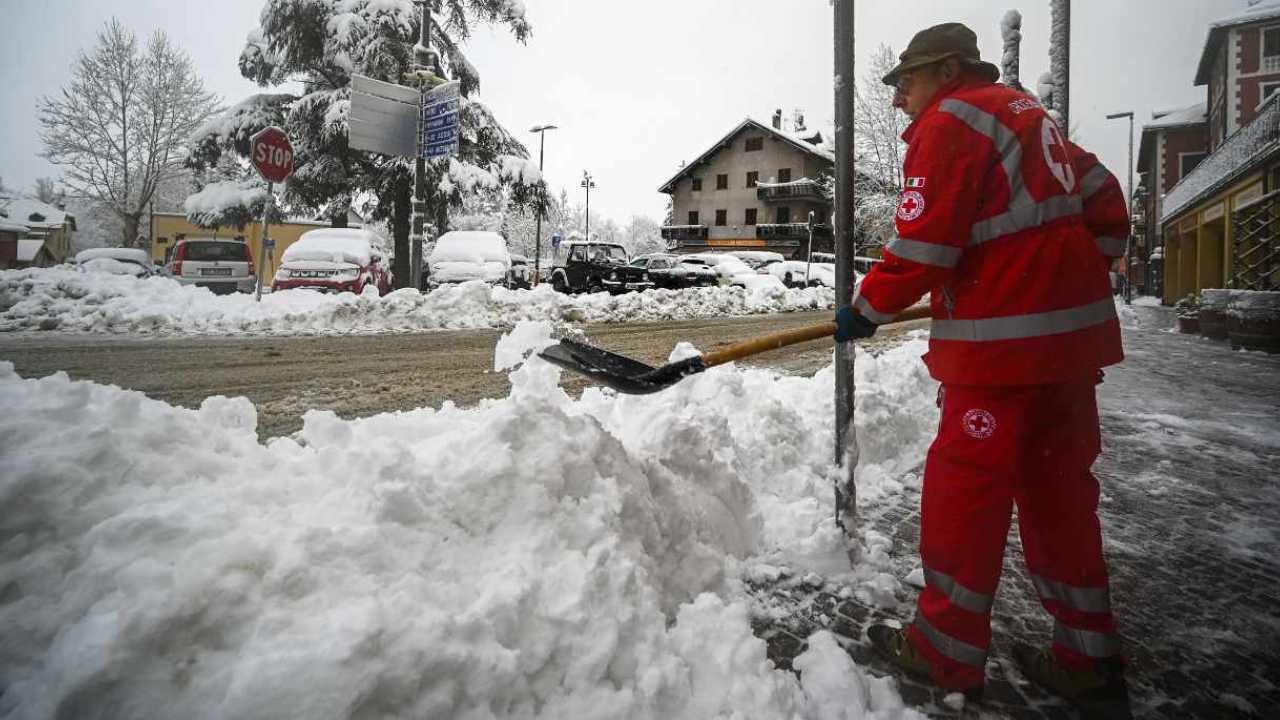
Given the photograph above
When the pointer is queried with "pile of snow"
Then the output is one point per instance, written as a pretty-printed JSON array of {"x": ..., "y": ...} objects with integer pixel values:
[
  {"x": 62, "y": 298},
  {"x": 162, "y": 562}
]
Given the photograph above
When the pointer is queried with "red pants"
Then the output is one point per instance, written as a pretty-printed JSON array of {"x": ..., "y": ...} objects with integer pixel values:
[{"x": 997, "y": 446}]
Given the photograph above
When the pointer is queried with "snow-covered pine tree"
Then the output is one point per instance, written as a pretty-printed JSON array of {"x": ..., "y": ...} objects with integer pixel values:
[{"x": 322, "y": 43}]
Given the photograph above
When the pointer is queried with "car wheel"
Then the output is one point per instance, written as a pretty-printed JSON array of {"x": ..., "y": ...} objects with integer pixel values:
[{"x": 559, "y": 285}]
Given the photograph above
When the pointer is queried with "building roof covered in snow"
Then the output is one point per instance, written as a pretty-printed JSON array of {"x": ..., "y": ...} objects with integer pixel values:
[
  {"x": 1243, "y": 152},
  {"x": 32, "y": 213},
  {"x": 1169, "y": 119},
  {"x": 1192, "y": 115},
  {"x": 28, "y": 249},
  {"x": 809, "y": 141},
  {"x": 1219, "y": 28}
]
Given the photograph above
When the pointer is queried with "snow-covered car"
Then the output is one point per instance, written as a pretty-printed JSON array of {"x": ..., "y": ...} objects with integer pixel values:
[
  {"x": 334, "y": 260},
  {"x": 755, "y": 281},
  {"x": 222, "y": 265},
  {"x": 670, "y": 272},
  {"x": 465, "y": 255},
  {"x": 726, "y": 266},
  {"x": 793, "y": 273},
  {"x": 755, "y": 259},
  {"x": 117, "y": 261}
]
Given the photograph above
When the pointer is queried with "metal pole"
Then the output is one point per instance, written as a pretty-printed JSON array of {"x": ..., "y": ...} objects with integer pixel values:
[
  {"x": 1129, "y": 206},
  {"x": 537, "y": 243},
  {"x": 846, "y": 435},
  {"x": 262, "y": 242},
  {"x": 808, "y": 266},
  {"x": 423, "y": 59}
]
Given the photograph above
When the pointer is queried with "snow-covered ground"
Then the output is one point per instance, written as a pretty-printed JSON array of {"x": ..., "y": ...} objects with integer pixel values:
[
  {"x": 536, "y": 556},
  {"x": 70, "y": 300}
]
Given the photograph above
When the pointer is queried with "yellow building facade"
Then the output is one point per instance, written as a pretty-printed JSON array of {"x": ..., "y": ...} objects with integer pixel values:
[
  {"x": 168, "y": 228},
  {"x": 1199, "y": 243}
]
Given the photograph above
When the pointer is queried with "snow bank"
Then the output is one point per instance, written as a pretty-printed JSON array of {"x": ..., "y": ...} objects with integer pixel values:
[
  {"x": 64, "y": 299},
  {"x": 534, "y": 556}
]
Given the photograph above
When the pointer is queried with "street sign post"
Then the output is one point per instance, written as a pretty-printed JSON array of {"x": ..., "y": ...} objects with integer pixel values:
[
  {"x": 272, "y": 156},
  {"x": 438, "y": 128}
]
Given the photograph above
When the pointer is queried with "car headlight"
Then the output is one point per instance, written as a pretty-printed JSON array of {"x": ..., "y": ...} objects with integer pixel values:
[
  {"x": 282, "y": 274},
  {"x": 348, "y": 274},
  {"x": 644, "y": 277},
  {"x": 613, "y": 275}
]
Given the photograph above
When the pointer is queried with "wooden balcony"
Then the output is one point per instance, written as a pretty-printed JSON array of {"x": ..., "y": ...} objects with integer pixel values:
[
  {"x": 681, "y": 235},
  {"x": 798, "y": 190}
]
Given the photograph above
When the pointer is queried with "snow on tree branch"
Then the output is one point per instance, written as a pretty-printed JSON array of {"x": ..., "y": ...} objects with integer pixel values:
[
  {"x": 1011, "y": 31},
  {"x": 230, "y": 203}
]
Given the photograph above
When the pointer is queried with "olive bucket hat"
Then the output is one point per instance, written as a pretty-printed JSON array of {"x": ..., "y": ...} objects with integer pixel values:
[{"x": 938, "y": 43}]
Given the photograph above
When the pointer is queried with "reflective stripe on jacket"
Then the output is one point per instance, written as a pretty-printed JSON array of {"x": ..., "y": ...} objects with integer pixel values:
[
  {"x": 992, "y": 224},
  {"x": 1105, "y": 212}
]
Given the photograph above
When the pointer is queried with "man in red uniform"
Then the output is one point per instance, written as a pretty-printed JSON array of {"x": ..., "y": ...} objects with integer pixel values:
[{"x": 1010, "y": 229}]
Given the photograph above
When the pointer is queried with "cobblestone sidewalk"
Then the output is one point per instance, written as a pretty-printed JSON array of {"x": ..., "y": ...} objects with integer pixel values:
[{"x": 1190, "y": 510}]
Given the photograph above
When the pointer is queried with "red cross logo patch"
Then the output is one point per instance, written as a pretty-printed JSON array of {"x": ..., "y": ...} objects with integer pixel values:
[
  {"x": 1055, "y": 154},
  {"x": 911, "y": 206},
  {"x": 979, "y": 424}
]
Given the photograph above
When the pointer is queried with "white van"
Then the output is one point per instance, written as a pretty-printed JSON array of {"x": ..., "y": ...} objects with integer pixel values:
[{"x": 466, "y": 255}]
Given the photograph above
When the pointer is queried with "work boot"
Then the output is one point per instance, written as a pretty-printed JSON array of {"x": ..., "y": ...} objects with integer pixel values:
[
  {"x": 1099, "y": 692},
  {"x": 893, "y": 645}
]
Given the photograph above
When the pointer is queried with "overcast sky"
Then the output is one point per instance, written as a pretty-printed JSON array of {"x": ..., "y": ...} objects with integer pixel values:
[{"x": 636, "y": 87}]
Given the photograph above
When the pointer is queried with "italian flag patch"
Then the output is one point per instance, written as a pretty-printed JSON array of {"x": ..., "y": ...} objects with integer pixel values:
[{"x": 915, "y": 182}]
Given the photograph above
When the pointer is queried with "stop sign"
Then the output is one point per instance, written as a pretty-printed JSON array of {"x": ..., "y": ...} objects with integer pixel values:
[{"x": 272, "y": 154}]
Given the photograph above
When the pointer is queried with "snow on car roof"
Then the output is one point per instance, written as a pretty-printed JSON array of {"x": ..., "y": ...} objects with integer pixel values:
[
  {"x": 349, "y": 245},
  {"x": 471, "y": 246},
  {"x": 135, "y": 255}
]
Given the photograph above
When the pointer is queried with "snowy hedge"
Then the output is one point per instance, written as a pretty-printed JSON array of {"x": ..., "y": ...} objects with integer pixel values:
[{"x": 67, "y": 299}]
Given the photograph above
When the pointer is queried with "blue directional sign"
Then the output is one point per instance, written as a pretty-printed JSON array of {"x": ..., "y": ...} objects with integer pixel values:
[
  {"x": 555, "y": 240},
  {"x": 438, "y": 128}
]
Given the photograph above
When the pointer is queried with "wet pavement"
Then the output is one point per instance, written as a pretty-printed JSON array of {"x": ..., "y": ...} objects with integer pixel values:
[{"x": 1190, "y": 509}]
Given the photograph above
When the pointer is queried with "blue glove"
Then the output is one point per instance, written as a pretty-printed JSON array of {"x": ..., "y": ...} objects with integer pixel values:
[{"x": 852, "y": 325}]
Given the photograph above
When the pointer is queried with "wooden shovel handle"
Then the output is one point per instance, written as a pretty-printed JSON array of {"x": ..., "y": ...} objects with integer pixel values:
[{"x": 755, "y": 346}]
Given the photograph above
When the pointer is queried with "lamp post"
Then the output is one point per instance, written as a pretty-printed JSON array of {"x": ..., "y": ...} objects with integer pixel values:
[
  {"x": 537, "y": 243},
  {"x": 1128, "y": 251},
  {"x": 588, "y": 183}
]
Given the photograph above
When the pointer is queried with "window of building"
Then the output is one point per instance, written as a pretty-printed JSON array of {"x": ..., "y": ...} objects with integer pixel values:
[
  {"x": 784, "y": 215},
  {"x": 697, "y": 184},
  {"x": 693, "y": 217},
  {"x": 755, "y": 144},
  {"x": 1188, "y": 162},
  {"x": 784, "y": 175},
  {"x": 1266, "y": 90},
  {"x": 751, "y": 216},
  {"x": 722, "y": 182},
  {"x": 753, "y": 179},
  {"x": 722, "y": 218},
  {"x": 1271, "y": 49}
]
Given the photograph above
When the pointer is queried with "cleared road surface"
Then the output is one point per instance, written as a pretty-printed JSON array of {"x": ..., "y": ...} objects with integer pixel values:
[{"x": 357, "y": 376}]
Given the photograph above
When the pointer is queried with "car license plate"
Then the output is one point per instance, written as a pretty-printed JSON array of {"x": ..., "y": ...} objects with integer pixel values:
[
  {"x": 215, "y": 271},
  {"x": 312, "y": 273},
  {"x": 634, "y": 286}
]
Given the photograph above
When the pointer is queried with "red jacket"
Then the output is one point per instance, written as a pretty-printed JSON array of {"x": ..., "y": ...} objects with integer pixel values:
[{"x": 991, "y": 223}]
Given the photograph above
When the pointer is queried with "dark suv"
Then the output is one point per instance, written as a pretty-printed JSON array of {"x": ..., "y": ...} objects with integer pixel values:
[{"x": 595, "y": 266}]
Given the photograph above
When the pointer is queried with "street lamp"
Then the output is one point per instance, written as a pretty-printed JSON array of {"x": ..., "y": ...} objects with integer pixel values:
[
  {"x": 1128, "y": 252},
  {"x": 537, "y": 253},
  {"x": 588, "y": 183}
]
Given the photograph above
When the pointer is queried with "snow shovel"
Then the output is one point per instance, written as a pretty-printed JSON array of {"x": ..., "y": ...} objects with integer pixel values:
[{"x": 633, "y": 377}]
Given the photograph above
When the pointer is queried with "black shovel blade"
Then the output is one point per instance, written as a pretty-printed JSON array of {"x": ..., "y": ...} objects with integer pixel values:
[{"x": 618, "y": 371}]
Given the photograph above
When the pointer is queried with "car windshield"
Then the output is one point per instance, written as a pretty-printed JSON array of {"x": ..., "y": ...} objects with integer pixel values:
[
  {"x": 609, "y": 253},
  {"x": 199, "y": 251},
  {"x": 640, "y": 262}
]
